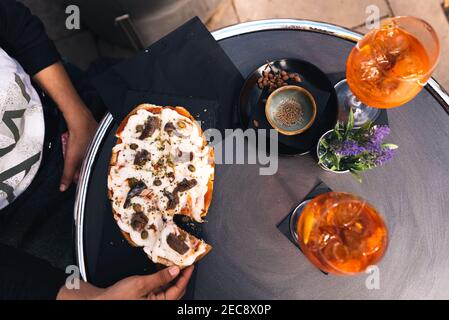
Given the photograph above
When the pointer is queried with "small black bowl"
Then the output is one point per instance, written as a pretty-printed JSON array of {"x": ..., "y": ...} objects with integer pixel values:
[{"x": 252, "y": 101}]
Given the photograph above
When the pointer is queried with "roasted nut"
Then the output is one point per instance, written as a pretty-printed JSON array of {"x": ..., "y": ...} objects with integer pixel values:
[{"x": 137, "y": 207}]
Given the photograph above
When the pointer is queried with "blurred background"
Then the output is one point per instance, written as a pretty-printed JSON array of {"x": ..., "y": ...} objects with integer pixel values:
[{"x": 118, "y": 28}]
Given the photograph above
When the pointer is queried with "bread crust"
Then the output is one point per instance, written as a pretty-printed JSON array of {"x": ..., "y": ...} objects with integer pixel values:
[
  {"x": 168, "y": 263},
  {"x": 207, "y": 197}
]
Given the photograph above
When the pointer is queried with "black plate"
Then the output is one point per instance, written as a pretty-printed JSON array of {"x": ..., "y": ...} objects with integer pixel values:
[{"x": 252, "y": 104}]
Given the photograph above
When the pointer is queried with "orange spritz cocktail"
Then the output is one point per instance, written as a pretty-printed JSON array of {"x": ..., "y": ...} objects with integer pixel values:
[
  {"x": 389, "y": 66},
  {"x": 341, "y": 233}
]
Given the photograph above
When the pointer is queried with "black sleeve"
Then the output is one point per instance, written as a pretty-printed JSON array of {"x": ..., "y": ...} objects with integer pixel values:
[
  {"x": 23, "y": 37},
  {"x": 23, "y": 276}
]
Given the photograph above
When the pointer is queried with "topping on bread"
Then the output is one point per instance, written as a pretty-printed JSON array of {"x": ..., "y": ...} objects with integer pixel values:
[{"x": 161, "y": 167}]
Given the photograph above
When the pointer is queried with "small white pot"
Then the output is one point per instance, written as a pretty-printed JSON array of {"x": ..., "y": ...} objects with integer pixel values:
[{"x": 318, "y": 154}]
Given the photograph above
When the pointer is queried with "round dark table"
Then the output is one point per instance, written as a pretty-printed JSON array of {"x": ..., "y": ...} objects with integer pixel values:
[{"x": 251, "y": 258}]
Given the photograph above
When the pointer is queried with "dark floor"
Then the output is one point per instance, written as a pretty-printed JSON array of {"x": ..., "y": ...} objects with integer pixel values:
[
  {"x": 82, "y": 46},
  {"x": 78, "y": 46}
]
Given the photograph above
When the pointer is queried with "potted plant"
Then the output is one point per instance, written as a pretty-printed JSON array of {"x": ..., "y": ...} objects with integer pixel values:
[{"x": 349, "y": 149}]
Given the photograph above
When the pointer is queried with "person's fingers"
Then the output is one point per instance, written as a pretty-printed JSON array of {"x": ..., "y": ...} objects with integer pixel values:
[
  {"x": 161, "y": 289},
  {"x": 151, "y": 296},
  {"x": 154, "y": 281},
  {"x": 76, "y": 177},
  {"x": 182, "y": 294},
  {"x": 71, "y": 163},
  {"x": 178, "y": 289},
  {"x": 157, "y": 296}
]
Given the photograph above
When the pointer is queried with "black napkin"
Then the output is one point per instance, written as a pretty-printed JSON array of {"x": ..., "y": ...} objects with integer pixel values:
[
  {"x": 187, "y": 64},
  {"x": 203, "y": 110},
  {"x": 284, "y": 225}
]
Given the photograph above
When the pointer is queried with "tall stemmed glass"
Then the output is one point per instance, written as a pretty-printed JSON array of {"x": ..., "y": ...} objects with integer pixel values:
[{"x": 388, "y": 67}]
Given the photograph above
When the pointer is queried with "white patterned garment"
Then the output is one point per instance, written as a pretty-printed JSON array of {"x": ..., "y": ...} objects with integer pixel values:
[{"x": 22, "y": 130}]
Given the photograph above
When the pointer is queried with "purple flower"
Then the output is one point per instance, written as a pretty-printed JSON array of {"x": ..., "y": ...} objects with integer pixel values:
[
  {"x": 372, "y": 147},
  {"x": 349, "y": 148},
  {"x": 378, "y": 134},
  {"x": 385, "y": 155}
]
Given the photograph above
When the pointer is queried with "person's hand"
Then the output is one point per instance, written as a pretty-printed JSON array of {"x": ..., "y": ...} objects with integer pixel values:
[
  {"x": 82, "y": 127},
  {"x": 152, "y": 287},
  {"x": 156, "y": 286}
]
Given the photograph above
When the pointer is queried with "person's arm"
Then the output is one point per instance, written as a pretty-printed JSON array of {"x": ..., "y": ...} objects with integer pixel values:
[
  {"x": 156, "y": 286},
  {"x": 23, "y": 37},
  {"x": 80, "y": 122},
  {"x": 23, "y": 276}
]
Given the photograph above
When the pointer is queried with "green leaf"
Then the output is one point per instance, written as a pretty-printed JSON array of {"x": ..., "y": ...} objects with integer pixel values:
[
  {"x": 337, "y": 161},
  {"x": 324, "y": 143},
  {"x": 331, "y": 159},
  {"x": 389, "y": 146},
  {"x": 337, "y": 126},
  {"x": 367, "y": 126},
  {"x": 356, "y": 174},
  {"x": 338, "y": 134},
  {"x": 350, "y": 124}
]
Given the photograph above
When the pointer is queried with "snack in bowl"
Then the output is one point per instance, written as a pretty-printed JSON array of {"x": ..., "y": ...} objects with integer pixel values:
[
  {"x": 291, "y": 110},
  {"x": 161, "y": 166}
]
